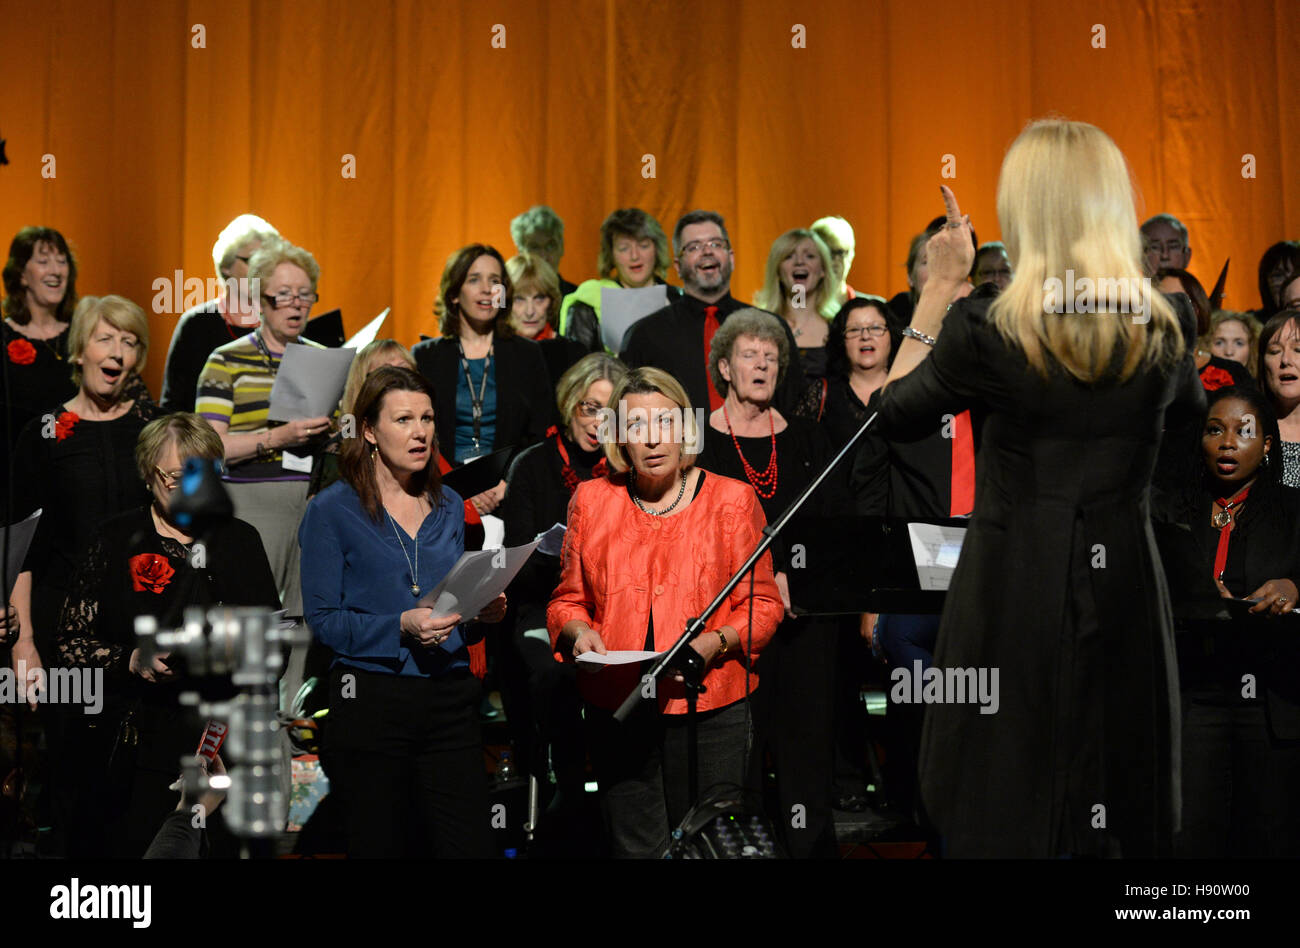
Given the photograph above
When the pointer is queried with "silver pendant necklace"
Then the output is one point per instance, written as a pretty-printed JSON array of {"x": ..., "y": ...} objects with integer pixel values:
[{"x": 415, "y": 570}]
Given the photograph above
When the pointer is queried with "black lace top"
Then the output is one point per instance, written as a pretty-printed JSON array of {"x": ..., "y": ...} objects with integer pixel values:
[{"x": 130, "y": 569}]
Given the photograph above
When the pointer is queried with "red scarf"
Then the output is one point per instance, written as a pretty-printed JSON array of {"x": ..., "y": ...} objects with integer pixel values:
[{"x": 570, "y": 476}]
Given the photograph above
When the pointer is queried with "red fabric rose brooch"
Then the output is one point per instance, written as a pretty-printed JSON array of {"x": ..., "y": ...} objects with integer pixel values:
[
  {"x": 64, "y": 424},
  {"x": 1213, "y": 378},
  {"x": 21, "y": 352},
  {"x": 150, "y": 572}
]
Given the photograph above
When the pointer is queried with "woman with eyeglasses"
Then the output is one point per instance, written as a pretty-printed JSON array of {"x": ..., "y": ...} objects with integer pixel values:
[
  {"x": 143, "y": 562},
  {"x": 75, "y": 462},
  {"x": 860, "y": 347},
  {"x": 268, "y": 465},
  {"x": 541, "y": 697}
]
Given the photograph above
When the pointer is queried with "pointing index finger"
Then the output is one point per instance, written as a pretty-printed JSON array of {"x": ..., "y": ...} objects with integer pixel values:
[{"x": 950, "y": 205}]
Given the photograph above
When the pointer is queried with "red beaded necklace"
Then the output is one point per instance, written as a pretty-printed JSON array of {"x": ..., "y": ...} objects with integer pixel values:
[{"x": 764, "y": 484}]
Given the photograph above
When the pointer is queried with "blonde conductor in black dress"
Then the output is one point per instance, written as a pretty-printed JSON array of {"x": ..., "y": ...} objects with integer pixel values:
[{"x": 1059, "y": 585}]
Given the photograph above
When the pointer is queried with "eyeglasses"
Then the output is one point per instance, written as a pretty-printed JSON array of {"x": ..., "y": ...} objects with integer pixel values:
[
  {"x": 699, "y": 246},
  {"x": 589, "y": 409},
  {"x": 281, "y": 300},
  {"x": 168, "y": 478},
  {"x": 857, "y": 331},
  {"x": 1169, "y": 246}
]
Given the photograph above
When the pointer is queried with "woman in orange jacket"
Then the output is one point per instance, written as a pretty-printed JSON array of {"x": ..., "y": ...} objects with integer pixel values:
[{"x": 647, "y": 548}]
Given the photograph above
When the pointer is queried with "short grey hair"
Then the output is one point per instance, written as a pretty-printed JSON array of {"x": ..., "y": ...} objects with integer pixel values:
[
  {"x": 1169, "y": 219},
  {"x": 747, "y": 322},
  {"x": 539, "y": 227},
  {"x": 241, "y": 231}
]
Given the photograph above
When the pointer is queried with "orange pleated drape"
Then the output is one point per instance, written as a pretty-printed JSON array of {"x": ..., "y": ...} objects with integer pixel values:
[{"x": 164, "y": 121}]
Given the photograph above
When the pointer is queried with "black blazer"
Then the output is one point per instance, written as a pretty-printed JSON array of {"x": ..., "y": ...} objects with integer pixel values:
[
  {"x": 1214, "y": 654},
  {"x": 525, "y": 399}
]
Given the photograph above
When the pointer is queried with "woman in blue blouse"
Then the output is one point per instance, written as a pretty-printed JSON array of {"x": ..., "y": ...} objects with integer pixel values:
[{"x": 404, "y": 751}]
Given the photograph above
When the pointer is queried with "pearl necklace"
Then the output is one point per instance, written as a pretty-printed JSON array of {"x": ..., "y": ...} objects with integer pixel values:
[{"x": 681, "y": 492}]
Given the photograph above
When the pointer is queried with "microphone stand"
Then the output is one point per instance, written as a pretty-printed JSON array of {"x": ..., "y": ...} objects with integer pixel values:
[{"x": 689, "y": 663}]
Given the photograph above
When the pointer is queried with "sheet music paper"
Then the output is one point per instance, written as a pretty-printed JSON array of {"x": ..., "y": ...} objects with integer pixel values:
[
  {"x": 478, "y": 577},
  {"x": 368, "y": 333},
  {"x": 551, "y": 542},
  {"x": 620, "y": 308},
  {"x": 935, "y": 548},
  {"x": 309, "y": 382},
  {"x": 616, "y": 658}
]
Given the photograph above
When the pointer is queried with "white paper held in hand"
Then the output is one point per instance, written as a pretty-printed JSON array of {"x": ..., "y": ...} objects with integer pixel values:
[
  {"x": 478, "y": 577},
  {"x": 309, "y": 382},
  {"x": 626, "y": 657}
]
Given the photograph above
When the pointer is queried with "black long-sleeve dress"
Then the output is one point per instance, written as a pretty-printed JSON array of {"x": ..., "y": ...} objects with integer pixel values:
[
  {"x": 1059, "y": 587},
  {"x": 129, "y": 569},
  {"x": 38, "y": 376},
  {"x": 78, "y": 472}
]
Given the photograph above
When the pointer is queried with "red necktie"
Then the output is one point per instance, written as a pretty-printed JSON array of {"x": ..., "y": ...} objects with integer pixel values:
[
  {"x": 963, "y": 467},
  {"x": 710, "y": 327},
  {"x": 1225, "y": 521}
]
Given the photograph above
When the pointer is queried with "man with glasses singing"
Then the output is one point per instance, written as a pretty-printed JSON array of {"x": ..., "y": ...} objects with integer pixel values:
[{"x": 677, "y": 337}]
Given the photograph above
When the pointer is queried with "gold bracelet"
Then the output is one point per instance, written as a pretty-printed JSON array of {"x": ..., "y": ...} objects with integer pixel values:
[{"x": 723, "y": 638}]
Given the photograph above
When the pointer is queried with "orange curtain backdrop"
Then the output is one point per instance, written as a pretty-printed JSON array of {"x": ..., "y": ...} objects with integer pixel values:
[{"x": 157, "y": 143}]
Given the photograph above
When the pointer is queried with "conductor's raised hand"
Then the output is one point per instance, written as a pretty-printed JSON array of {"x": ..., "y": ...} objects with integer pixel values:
[
  {"x": 950, "y": 252},
  {"x": 420, "y": 626}
]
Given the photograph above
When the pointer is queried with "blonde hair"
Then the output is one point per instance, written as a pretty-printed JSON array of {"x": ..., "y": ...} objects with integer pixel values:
[
  {"x": 772, "y": 296},
  {"x": 192, "y": 435},
  {"x": 1065, "y": 204},
  {"x": 240, "y": 232},
  {"x": 365, "y": 363},
  {"x": 581, "y": 376},
  {"x": 647, "y": 381},
  {"x": 528, "y": 269},
  {"x": 120, "y": 313},
  {"x": 1253, "y": 329},
  {"x": 275, "y": 251}
]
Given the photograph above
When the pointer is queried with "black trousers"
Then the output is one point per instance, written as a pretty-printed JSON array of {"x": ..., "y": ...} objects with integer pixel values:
[
  {"x": 1239, "y": 784},
  {"x": 794, "y": 722},
  {"x": 405, "y": 756},
  {"x": 641, "y": 768}
]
